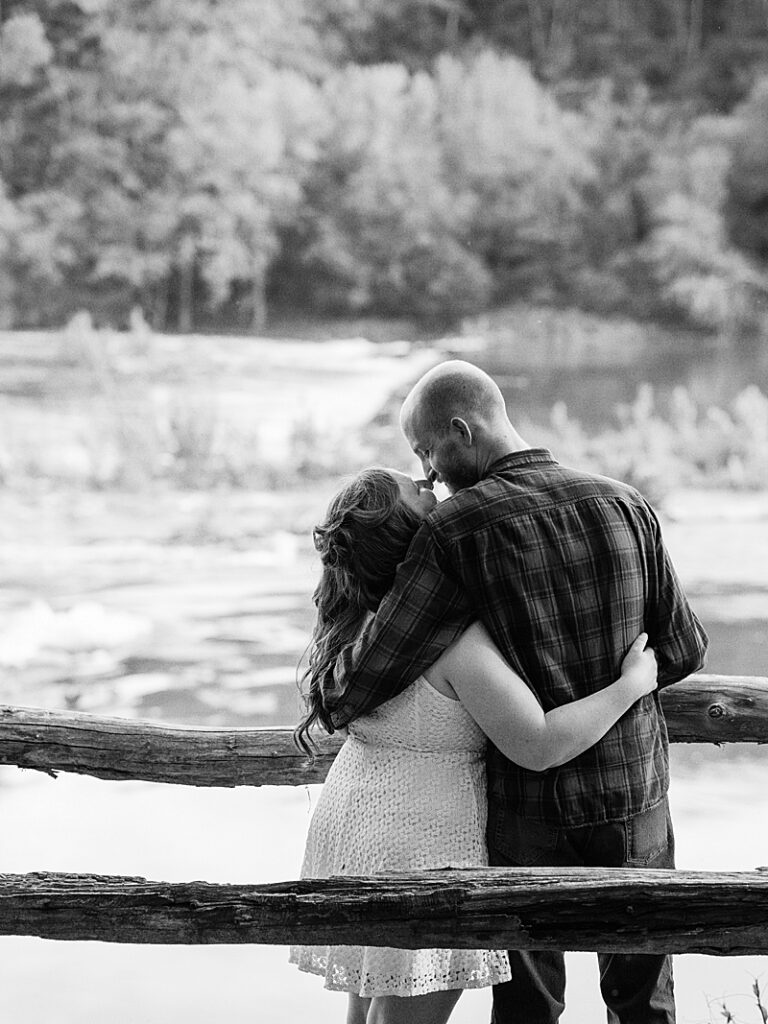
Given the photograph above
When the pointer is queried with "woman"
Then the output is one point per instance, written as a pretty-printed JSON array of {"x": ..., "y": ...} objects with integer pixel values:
[{"x": 407, "y": 790}]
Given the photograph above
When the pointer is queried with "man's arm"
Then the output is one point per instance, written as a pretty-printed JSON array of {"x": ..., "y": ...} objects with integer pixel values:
[
  {"x": 423, "y": 612},
  {"x": 675, "y": 632}
]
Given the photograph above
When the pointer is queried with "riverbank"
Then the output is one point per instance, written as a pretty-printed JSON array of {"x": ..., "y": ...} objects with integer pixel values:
[{"x": 105, "y": 410}]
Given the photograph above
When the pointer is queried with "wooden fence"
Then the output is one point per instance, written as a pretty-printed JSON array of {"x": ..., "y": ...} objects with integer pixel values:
[{"x": 576, "y": 908}]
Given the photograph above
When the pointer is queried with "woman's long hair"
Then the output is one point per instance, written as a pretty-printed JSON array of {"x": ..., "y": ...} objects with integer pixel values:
[{"x": 362, "y": 541}]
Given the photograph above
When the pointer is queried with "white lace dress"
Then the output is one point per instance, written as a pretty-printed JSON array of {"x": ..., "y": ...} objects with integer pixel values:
[{"x": 407, "y": 792}]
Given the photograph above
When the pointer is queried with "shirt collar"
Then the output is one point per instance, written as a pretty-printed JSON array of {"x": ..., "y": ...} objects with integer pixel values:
[{"x": 517, "y": 460}]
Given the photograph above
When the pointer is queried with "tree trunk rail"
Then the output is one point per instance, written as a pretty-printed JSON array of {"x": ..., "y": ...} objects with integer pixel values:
[
  {"x": 620, "y": 910},
  {"x": 701, "y": 709}
]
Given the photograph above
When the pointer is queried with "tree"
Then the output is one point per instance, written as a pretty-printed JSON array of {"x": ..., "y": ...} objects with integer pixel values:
[
  {"x": 408, "y": 32},
  {"x": 225, "y": 125},
  {"x": 154, "y": 151},
  {"x": 747, "y": 207},
  {"x": 602, "y": 269},
  {"x": 380, "y": 229},
  {"x": 701, "y": 274},
  {"x": 24, "y": 50},
  {"x": 520, "y": 158}
]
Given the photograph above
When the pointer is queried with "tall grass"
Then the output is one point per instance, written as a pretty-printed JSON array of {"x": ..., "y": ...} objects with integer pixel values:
[
  {"x": 723, "y": 1011},
  {"x": 130, "y": 421},
  {"x": 114, "y": 416},
  {"x": 684, "y": 446}
]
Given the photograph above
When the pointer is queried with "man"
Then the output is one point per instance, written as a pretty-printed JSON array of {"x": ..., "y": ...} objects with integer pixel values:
[{"x": 564, "y": 569}]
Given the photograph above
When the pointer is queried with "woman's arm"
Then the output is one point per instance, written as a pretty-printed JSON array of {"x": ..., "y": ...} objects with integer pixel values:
[{"x": 510, "y": 715}]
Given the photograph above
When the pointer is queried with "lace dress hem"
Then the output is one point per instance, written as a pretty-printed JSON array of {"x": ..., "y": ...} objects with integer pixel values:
[{"x": 383, "y": 971}]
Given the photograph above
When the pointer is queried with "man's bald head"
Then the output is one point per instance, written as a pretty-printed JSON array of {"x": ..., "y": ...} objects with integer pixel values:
[
  {"x": 453, "y": 389},
  {"x": 456, "y": 422}
]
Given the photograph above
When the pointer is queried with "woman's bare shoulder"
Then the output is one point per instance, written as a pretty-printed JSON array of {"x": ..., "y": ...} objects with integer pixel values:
[{"x": 452, "y": 659}]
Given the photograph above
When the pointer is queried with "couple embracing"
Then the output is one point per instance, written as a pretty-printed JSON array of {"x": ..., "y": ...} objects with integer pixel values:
[{"x": 495, "y": 659}]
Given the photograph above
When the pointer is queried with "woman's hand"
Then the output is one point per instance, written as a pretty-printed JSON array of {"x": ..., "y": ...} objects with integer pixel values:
[{"x": 639, "y": 668}]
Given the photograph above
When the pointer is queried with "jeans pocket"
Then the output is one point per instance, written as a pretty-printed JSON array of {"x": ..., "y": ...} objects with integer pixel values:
[
  {"x": 649, "y": 838},
  {"x": 516, "y": 841}
]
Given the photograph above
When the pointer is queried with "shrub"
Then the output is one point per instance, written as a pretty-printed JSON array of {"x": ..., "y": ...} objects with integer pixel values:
[{"x": 686, "y": 446}]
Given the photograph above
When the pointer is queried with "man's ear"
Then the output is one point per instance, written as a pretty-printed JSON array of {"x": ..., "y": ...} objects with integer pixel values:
[{"x": 463, "y": 428}]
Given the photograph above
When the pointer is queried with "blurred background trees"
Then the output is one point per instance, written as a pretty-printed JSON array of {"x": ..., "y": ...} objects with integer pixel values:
[{"x": 216, "y": 165}]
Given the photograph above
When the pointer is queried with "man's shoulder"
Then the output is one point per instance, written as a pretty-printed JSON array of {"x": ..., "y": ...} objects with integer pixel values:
[
  {"x": 503, "y": 495},
  {"x": 579, "y": 482},
  {"x": 466, "y": 504}
]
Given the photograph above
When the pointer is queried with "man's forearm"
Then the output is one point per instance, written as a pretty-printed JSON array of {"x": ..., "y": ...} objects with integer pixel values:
[
  {"x": 367, "y": 675},
  {"x": 423, "y": 612},
  {"x": 358, "y": 693}
]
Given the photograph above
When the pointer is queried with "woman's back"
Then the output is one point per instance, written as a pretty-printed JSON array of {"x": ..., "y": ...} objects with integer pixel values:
[
  {"x": 421, "y": 719},
  {"x": 406, "y": 793}
]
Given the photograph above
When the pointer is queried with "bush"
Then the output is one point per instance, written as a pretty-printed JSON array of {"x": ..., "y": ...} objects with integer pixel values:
[{"x": 657, "y": 452}]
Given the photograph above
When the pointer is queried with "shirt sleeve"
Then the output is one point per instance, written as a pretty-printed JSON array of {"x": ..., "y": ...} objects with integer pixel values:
[
  {"x": 674, "y": 631},
  {"x": 424, "y": 611}
]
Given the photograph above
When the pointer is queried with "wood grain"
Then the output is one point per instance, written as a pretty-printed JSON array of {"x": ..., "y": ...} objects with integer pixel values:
[
  {"x": 624, "y": 910},
  {"x": 701, "y": 709}
]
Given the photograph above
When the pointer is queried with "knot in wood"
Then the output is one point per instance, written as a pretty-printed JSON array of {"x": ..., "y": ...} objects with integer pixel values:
[
  {"x": 716, "y": 711},
  {"x": 243, "y": 915}
]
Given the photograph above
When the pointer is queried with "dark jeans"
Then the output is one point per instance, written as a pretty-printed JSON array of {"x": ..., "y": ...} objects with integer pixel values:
[{"x": 637, "y": 989}]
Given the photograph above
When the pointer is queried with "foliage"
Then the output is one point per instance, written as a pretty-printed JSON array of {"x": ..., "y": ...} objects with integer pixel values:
[
  {"x": 166, "y": 155},
  {"x": 747, "y": 210},
  {"x": 684, "y": 446},
  {"x": 380, "y": 228},
  {"x": 431, "y": 191},
  {"x": 24, "y": 49},
  {"x": 521, "y": 159},
  {"x": 724, "y": 1012},
  {"x": 708, "y": 51},
  {"x": 408, "y": 32},
  {"x": 141, "y": 421},
  {"x": 601, "y": 267},
  {"x": 701, "y": 274},
  {"x": 212, "y": 162}
]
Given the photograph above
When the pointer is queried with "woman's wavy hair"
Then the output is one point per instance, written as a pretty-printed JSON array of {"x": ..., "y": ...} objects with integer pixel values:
[{"x": 365, "y": 536}]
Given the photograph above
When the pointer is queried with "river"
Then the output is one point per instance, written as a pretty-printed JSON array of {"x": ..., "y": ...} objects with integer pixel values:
[
  {"x": 241, "y": 619},
  {"x": 594, "y": 365}
]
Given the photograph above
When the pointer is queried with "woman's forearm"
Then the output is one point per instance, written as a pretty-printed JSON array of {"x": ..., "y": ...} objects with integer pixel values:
[
  {"x": 572, "y": 728},
  {"x": 511, "y": 716}
]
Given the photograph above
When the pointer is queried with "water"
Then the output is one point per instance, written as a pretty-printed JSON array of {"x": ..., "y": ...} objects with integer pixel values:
[
  {"x": 195, "y": 608},
  {"x": 603, "y": 379},
  {"x": 211, "y": 635}
]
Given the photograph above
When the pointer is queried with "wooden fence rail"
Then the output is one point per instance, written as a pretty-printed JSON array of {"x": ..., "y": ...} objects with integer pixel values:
[
  {"x": 621, "y": 910},
  {"x": 701, "y": 709},
  {"x": 538, "y": 908}
]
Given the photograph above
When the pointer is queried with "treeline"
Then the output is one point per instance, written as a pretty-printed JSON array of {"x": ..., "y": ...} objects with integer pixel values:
[{"x": 213, "y": 161}]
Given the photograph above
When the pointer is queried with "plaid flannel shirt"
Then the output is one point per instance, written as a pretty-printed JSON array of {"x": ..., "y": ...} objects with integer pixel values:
[{"x": 564, "y": 569}]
